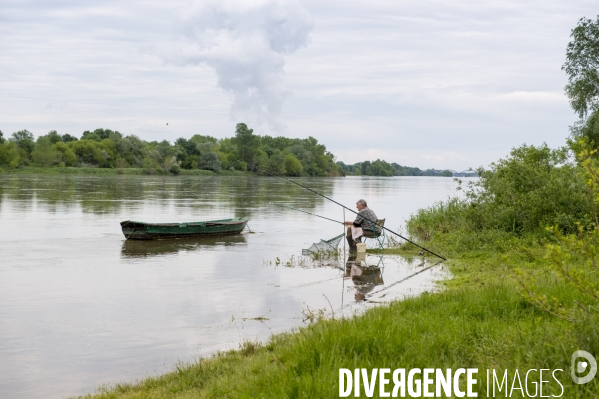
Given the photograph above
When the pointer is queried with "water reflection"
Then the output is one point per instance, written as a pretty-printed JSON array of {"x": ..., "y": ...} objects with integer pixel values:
[
  {"x": 146, "y": 248},
  {"x": 364, "y": 276},
  {"x": 364, "y": 270},
  {"x": 109, "y": 194}
]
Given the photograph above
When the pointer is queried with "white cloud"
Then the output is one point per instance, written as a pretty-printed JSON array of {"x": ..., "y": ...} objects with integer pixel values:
[{"x": 246, "y": 43}]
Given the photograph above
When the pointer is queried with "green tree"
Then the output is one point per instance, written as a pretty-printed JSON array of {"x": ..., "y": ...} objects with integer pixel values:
[
  {"x": 533, "y": 188},
  {"x": 188, "y": 153},
  {"x": 199, "y": 139},
  {"x": 87, "y": 135},
  {"x": 206, "y": 146},
  {"x": 209, "y": 160},
  {"x": 322, "y": 162},
  {"x": 246, "y": 144},
  {"x": 98, "y": 134},
  {"x": 587, "y": 131},
  {"x": 90, "y": 153},
  {"x": 43, "y": 154},
  {"x": 380, "y": 168},
  {"x": 53, "y": 136},
  {"x": 245, "y": 151},
  {"x": 132, "y": 148},
  {"x": 226, "y": 153},
  {"x": 9, "y": 154},
  {"x": 2, "y": 139},
  {"x": 24, "y": 140},
  {"x": 582, "y": 67},
  {"x": 364, "y": 168},
  {"x": 67, "y": 137},
  {"x": 302, "y": 154},
  {"x": 276, "y": 163},
  {"x": 163, "y": 157},
  {"x": 65, "y": 155},
  {"x": 293, "y": 166}
]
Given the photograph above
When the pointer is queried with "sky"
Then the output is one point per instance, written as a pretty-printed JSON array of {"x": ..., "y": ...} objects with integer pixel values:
[{"x": 432, "y": 84}]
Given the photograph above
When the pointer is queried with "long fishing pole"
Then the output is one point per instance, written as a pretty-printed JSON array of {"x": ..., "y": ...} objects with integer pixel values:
[
  {"x": 351, "y": 210},
  {"x": 309, "y": 213},
  {"x": 403, "y": 279}
]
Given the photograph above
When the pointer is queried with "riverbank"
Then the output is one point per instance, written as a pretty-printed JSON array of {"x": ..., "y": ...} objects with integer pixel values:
[
  {"x": 118, "y": 171},
  {"x": 478, "y": 320},
  {"x": 128, "y": 171}
]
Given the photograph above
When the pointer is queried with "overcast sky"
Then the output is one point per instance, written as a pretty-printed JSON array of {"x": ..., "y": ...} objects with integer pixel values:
[{"x": 421, "y": 83}]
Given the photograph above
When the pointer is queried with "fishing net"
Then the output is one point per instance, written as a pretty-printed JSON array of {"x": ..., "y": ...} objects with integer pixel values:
[{"x": 324, "y": 246}]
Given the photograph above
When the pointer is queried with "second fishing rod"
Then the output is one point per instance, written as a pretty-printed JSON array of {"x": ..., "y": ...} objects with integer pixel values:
[{"x": 351, "y": 210}]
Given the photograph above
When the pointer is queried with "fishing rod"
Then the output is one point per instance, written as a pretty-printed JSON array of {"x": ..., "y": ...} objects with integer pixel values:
[
  {"x": 351, "y": 210},
  {"x": 309, "y": 213},
  {"x": 403, "y": 279}
]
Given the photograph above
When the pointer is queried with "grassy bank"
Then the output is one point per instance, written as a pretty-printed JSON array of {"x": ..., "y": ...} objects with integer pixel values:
[
  {"x": 117, "y": 171},
  {"x": 478, "y": 321}
]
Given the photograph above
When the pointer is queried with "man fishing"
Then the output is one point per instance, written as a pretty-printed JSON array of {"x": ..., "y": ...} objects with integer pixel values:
[
  {"x": 364, "y": 225},
  {"x": 374, "y": 228}
]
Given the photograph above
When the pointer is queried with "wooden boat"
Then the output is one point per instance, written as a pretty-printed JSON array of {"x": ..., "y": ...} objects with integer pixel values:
[{"x": 151, "y": 231}]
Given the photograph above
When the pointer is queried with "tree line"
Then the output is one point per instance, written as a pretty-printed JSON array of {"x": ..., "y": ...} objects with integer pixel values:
[
  {"x": 105, "y": 148},
  {"x": 245, "y": 151},
  {"x": 384, "y": 168}
]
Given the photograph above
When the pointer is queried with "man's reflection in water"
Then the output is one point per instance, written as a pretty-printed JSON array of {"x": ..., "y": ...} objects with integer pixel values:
[{"x": 364, "y": 277}]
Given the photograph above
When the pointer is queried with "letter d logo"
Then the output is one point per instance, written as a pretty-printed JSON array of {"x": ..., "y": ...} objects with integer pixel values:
[{"x": 581, "y": 367}]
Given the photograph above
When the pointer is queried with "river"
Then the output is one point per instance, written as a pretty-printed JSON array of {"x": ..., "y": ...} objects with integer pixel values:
[{"x": 80, "y": 306}]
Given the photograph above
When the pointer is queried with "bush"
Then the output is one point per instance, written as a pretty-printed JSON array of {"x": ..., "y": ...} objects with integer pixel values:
[
  {"x": 209, "y": 161},
  {"x": 65, "y": 154},
  {"x": 533, "y": 188},
  {"x": 43, "y": 154},
  {"x": 293, "y": 166},
  {"x": 9, "y": 154},
  {"x": 175, "y": 169}
]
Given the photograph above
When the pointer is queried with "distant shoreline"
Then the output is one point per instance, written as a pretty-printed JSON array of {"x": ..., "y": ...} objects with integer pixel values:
[
  {"x": 117, "y": 171},
  {"x": 70, "y": 170}
]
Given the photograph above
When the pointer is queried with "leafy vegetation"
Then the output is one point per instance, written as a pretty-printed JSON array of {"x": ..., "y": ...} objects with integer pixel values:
[
  {"x": 574, "y": 259},
  {"x": 246, "y": 151},
  {"x": 582, "y": 67},
  {"x": 533, "y": 188},
  {"x": 543, "y": 204},
  {"x": 383, "y": 168},
  {"x": 105, "y": 148}
]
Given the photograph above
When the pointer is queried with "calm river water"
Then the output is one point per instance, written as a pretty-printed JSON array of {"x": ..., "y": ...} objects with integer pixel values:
[{"x": 80, "y": 306}]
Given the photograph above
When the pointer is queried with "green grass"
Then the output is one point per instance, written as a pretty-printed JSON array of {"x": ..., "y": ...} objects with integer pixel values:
[{"x": 478, "y": 320}]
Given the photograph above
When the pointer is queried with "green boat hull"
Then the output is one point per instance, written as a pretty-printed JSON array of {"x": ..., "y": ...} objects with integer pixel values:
[{"x": 153, "y": 231}]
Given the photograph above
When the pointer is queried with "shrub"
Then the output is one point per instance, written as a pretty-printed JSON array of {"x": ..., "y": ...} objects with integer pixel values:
[
  {"x": 43, "y": 154},
  {"x": 533, "y": 188}
]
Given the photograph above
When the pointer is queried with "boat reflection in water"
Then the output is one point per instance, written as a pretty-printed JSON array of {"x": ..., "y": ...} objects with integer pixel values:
[
  {"x": 365, "y": 277},
  {"x": 146, "y": 248}
]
